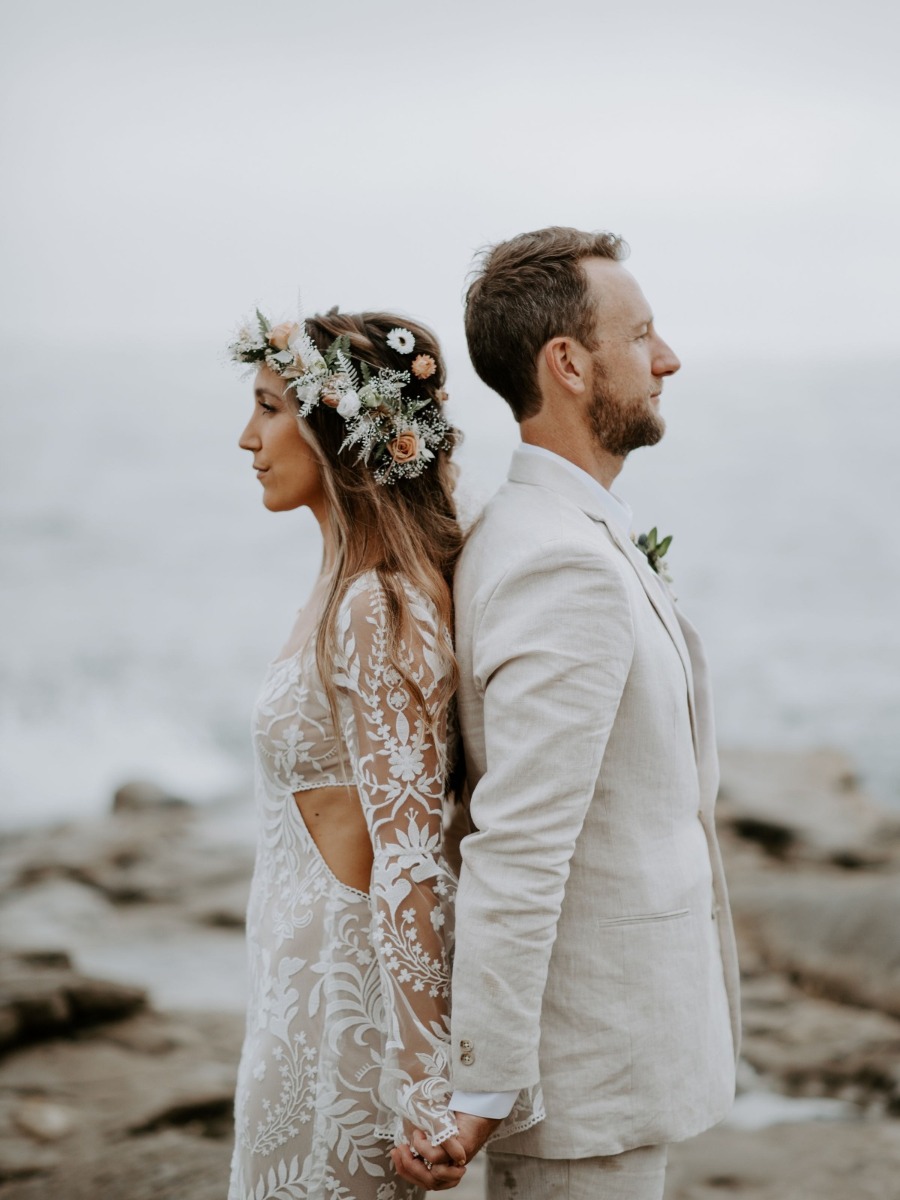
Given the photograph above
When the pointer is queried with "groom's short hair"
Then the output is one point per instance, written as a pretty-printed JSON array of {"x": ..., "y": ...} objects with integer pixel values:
[{"x": 525, "y": 292}]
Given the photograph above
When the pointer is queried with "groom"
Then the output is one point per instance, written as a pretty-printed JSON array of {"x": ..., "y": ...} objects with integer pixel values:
[{"x": 595, "y": 959}]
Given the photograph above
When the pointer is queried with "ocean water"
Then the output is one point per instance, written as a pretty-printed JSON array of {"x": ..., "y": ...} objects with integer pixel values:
[{"x": 145, "y": 587}]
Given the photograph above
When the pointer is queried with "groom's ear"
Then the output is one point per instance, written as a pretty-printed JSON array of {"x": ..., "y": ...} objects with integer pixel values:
[{"x": 564, "y": 363}]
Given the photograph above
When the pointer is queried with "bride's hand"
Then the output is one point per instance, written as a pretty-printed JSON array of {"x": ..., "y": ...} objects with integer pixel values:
[{"x": 436, "y": 1168}]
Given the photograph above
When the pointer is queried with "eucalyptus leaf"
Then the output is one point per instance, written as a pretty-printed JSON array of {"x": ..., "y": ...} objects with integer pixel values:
[{"x": 654, "y": 550}]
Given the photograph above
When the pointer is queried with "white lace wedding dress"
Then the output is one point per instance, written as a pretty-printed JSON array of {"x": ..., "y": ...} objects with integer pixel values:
[{"x": 347, "y": 1027}]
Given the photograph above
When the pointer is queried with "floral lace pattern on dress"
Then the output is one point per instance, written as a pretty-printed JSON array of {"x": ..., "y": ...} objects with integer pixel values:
[
  {"x": 347, "y": 1045},
  {"x": 295, "y": 744}
]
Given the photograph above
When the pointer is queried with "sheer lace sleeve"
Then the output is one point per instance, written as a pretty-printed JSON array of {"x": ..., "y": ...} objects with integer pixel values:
[{"x": 400, "y": 770}]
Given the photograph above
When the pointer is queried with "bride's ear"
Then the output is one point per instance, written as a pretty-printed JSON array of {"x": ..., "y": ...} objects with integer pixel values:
[{"x": 564, "y": 363}]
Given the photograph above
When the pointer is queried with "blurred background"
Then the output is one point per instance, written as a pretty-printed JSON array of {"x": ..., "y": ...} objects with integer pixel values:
[{"x": 168, "y": 166}]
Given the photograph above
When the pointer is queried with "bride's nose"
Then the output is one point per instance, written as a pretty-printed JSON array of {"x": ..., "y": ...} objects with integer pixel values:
[{"x": 249, "y": 439}]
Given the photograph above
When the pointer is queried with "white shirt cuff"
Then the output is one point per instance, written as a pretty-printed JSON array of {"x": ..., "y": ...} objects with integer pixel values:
[{"x": 484, "y": 1104}]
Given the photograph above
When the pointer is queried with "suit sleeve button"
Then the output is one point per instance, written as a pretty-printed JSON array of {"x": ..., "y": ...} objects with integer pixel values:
[
  {"x": 467, "y": 1059},
  {"x": 465, "y": 1044}
]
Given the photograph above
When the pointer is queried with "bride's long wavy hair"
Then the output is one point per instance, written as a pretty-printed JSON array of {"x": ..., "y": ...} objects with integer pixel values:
[{"x": 407, "y": 530}]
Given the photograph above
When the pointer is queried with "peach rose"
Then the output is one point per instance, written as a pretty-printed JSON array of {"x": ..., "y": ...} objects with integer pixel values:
[
  {"x": 280, "y": 335},
  {"x": 423, "y": 366},
  {"x": 405, "y": 448},
  {"x": 330, "y": 394}
]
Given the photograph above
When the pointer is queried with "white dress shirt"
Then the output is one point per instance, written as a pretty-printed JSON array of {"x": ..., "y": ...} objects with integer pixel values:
[{"x": 613, "y": 506}]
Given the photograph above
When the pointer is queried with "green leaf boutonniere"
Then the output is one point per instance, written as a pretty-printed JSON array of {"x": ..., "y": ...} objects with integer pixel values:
[{"x": 650, "y": 545}]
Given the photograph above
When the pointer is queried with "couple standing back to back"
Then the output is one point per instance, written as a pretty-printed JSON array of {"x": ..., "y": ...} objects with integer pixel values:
[{"x": 594, "y": 1009}]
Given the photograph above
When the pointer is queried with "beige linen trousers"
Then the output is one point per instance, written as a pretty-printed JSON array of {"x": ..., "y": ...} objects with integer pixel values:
[{"x": 595, "y": 954}]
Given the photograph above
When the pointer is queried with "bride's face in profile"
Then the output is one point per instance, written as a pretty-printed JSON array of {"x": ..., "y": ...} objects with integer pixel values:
[{"x": 285, "y": 464}]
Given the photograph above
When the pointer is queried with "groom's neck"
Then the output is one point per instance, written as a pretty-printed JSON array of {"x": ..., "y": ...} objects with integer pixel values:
[{"x": 575, "y": 444}]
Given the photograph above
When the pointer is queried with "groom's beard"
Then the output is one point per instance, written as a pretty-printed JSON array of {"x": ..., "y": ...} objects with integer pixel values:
[{"x": 620, "y": 424}]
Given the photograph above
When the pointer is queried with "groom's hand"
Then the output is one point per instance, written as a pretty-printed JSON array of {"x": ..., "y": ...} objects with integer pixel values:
[{"x": 474, "y": 1132}]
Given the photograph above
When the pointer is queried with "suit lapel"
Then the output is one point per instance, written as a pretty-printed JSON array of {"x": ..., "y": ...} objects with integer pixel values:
[
  {"x": 707, "y": 756},
  {"x": 666, "y": 613},
  {"x": 544, "y": 472}
]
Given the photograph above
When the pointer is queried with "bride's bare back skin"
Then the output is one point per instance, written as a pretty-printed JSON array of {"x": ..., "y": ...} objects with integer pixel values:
[{"x": 334, "y": 818}]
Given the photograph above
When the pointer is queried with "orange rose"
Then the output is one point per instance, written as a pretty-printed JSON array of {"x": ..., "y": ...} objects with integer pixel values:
[
  {"x": 423, "y": 367},
  {"x": 280, "y": 335},
  {"x": 405, "y": 448}
]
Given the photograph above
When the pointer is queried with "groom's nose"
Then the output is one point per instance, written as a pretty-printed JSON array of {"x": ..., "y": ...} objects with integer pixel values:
[{"x": 665, "y": 360}]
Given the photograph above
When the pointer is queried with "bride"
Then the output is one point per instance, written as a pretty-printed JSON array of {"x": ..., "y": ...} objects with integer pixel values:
[{"x": 346, "y": 1049}]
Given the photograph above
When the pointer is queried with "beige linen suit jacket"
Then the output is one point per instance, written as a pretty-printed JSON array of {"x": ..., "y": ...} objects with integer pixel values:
[{"x": 595, "y": 952}]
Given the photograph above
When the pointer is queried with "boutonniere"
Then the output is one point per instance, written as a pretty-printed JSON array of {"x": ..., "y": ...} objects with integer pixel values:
[{"x": 654, "y": 551}]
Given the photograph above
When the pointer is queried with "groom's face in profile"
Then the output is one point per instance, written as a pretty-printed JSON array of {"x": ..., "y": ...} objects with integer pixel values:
[{"x": 630, "y": 362}]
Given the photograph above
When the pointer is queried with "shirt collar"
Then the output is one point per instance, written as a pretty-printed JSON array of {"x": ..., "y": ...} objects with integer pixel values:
[{"x": 614, "y": 508}]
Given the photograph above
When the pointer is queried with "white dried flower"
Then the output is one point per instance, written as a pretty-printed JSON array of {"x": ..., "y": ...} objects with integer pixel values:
[
  {"x": 307, "y": 390},
  {"x": 349, "y": 405},
  {"x": 401, "y": 340},
  {"x": 307, "y": 355}
]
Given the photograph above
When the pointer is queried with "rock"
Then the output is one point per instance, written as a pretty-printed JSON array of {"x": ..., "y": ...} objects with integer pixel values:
[
  {"x": 51, "y": 914},
  {"x": 138, "y": 795},
  {"x": 40, "y": 1001},
  {"x": 808, "y": 1046},
  {"x": 805, "y": 806},
  {"x": 801, "y": 1041},
  {"x": 155, "y": 1096},
  {"x": 222, "y": 907},
  {"x": 816, "y": 1161},
  {"x": 44, "y": 1120},
  {"x": 836, "y": 934},
  {"x": 108, "y": 855},
  {"x": 203, "y": 1103},
  {"x": 10, "y": 1025},
  {"x": 22, "y": 1158},
  {"x": 139, "y": 856},
  {"x": 171, "y": 1165}
]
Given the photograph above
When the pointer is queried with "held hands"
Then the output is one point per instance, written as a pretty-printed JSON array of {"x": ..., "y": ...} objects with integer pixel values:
[{"x": 438, "y": 1168}]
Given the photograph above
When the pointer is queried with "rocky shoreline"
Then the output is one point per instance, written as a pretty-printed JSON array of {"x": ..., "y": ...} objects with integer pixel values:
[{"x": 121, "y": 995}]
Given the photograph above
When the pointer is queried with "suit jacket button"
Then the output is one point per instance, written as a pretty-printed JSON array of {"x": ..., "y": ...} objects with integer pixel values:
[
  {"x": 467, "y": 1059},
  {"x": 465, "y": 1044}
]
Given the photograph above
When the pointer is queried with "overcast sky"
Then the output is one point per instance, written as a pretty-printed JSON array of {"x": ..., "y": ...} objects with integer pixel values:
[{"x": 168, "y": 164}]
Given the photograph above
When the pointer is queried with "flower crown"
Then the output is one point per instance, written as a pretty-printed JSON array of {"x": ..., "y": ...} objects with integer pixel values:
[{"x": 396, "y": 434}]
